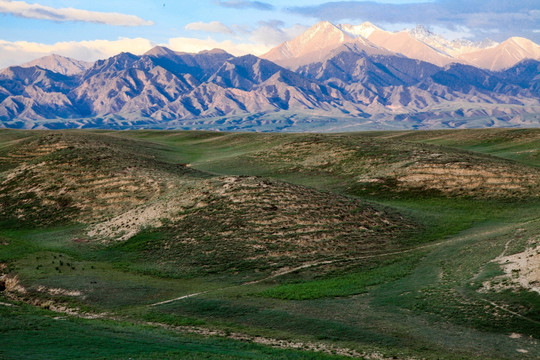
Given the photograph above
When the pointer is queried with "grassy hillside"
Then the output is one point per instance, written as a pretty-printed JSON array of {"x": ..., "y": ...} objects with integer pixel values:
[{"x": 389, "y": 244}]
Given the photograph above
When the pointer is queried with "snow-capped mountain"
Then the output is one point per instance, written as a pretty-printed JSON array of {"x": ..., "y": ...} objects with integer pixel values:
[
  {"x": 311, "y": 46},
  {"x": 453, "y": 48},
  {"x": 318, "y": 41},
  {"x": 404, "y": 43},
  {"x": 419, "y": 43},
  {"x": 504, "y": 55},
  {"x": 339, "y": 75},
  {"x": 364, "y": 30},
  {"x": 164, "y": 88}
]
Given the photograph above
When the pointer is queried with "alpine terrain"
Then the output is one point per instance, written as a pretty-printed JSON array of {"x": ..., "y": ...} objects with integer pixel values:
[{"x": 330, "y": 78}]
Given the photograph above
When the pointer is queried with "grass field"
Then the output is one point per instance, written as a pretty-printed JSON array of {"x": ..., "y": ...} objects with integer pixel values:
[{"x": 170, "y": 244}]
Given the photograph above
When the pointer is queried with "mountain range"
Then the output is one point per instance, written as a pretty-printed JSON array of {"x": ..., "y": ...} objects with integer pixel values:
[{"x": 330, "y": 78}]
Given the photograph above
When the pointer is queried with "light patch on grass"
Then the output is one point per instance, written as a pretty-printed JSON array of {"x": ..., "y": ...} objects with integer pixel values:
[
  {"x": 467, "y": 178},
  {"x": 59, "y": 291},
  {"x": 12, "y": 284},
  {"x": 521, "y": 270},
  {"x": 186, "y": 194}
]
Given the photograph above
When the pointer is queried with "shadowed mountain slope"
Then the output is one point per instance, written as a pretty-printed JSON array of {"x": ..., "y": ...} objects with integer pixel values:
[{"x": 353, "y": 85}]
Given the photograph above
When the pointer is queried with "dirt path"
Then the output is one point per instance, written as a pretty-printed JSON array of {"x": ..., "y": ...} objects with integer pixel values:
[
  {"x": 186, "y": 296},
  {"x": 510, "y": 311},
  {"x": 502, "y": 254},
  {"x": 272, "y": 342}
]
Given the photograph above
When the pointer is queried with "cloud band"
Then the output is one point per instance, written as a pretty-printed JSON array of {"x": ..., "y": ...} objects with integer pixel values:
[{"x": 37, "y": 11}]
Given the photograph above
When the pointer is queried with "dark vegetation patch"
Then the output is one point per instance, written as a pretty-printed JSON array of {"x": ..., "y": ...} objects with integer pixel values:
[{"x": 250, "y": 315}]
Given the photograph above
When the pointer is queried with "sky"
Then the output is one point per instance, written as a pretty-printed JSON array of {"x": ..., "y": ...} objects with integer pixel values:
[{"x": 99, "y": 29}]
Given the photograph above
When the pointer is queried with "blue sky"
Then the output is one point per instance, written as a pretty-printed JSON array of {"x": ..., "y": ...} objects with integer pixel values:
[{"x": 91, "y": 30}]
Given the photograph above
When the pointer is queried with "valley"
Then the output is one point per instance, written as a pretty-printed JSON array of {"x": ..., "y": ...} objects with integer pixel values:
[{"x": 155, "y": 244}]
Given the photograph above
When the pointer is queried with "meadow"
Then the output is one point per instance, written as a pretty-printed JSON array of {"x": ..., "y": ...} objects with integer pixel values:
[{"x": 186, "y": 244}]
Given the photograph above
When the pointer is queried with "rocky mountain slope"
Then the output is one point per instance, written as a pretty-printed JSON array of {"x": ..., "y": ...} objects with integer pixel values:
[{"x": 339, "y": 76}]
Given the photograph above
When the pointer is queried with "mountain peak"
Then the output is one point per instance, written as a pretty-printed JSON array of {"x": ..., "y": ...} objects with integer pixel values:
[
  {"x": 213, "y": 52},
  {"x": 310, "y": 46},
  {"x": 367, "y": 24},
  {"x": 323, "y": 25},
  {"x": 504, "y": 55},
  {"x": 364, "y": 30},
  {"x": 59, "y": 64},
  {"x": 55, "y": 56},
  {"x": 487, "y": 43},
  {"x": 520, "y": 41},
  {"x": 158, "y": 51},
  {"x": 321, "y": 30},
  {"x": 421, "y": 30}
]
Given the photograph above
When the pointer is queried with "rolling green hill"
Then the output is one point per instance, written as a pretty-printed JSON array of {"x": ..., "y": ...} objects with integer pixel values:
[{"x": 228, "y": 245}]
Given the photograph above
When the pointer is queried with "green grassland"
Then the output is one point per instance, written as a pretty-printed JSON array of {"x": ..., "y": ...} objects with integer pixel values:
[
  {"x": 361, "y": 244},
  {"x": 30, "y": 333}
]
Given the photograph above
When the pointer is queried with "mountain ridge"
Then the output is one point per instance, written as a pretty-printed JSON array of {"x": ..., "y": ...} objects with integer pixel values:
[
  {"x": 60, "y": 64},
  {"x": 353, "y": 84},
  {"x": 417, "y": 43}
]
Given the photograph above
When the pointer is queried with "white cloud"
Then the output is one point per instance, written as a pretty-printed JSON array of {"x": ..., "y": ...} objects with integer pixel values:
[
  {"x": 247, "y": 40},
  {"x": 271, "y": 35},
  {"x": 213, "y": 27},
  {"x": 457, "y": 32},
  {"x": 193, "y": 45},
  {"x": 37, "y": 11},
  {"x": 19, "y": 52}
]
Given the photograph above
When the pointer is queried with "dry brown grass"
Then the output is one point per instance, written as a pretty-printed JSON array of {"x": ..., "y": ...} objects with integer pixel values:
[
  {"x": 68, "y": 177},
  {"x": 238, "y": 222},
  {"x": 403, "y": 166}
]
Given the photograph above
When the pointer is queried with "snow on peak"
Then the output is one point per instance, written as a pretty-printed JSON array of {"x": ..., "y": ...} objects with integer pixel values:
[
  {"x": 421, "y": 31},
  {"x": 364, "y": 30},
  {"x": 319, "y": 36},
  {"x": 419, "y": 43},
  {"x": 321, "y": 29},
  {"x": 521, "y": 42},
  {"x": 454, "y": 48}
]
